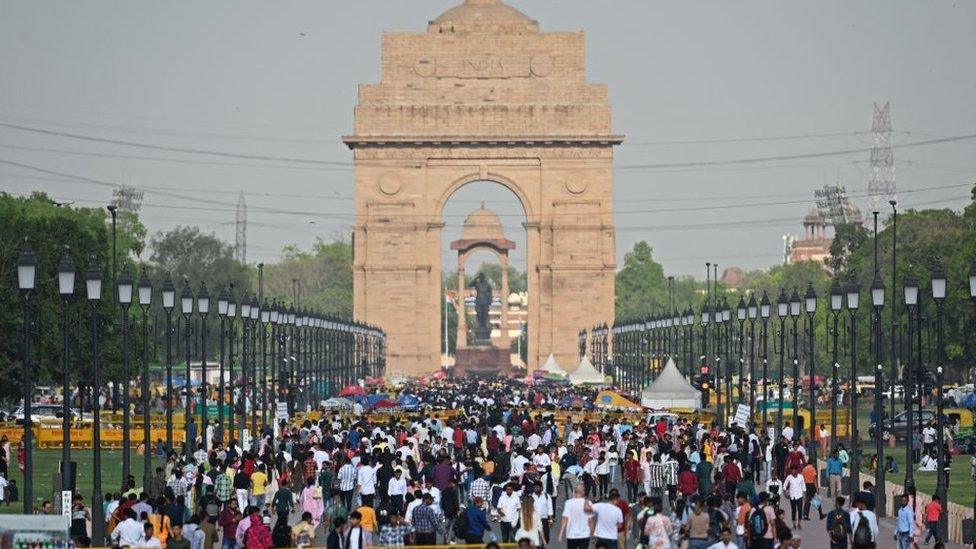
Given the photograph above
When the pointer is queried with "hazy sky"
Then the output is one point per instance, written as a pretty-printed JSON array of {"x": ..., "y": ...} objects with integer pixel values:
[{"x": 278, "y": 79}]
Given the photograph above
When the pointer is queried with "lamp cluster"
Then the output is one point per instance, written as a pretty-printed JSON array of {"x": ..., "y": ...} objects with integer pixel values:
[{"x": 285, "y": 358}]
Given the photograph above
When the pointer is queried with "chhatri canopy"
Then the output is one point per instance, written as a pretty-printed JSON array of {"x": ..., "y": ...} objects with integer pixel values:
[{"x": 670, "y": 390}]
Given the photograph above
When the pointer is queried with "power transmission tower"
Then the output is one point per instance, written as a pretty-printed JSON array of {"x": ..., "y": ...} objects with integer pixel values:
[
  {"x": 240, "y": 238},
  {"x": 881, "y": 185}
]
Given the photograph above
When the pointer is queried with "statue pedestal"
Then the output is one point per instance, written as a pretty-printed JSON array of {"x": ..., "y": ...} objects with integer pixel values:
[
  {"x": 480, "y": 337},
  {"x": 483, "y": 360}
]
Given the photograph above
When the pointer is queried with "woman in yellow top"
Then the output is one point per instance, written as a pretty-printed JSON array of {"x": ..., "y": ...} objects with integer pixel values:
[{"x": 160, "y": 523}]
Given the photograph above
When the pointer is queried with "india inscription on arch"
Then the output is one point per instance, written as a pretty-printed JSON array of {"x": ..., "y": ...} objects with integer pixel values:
[{"x": 483, "y": 95}]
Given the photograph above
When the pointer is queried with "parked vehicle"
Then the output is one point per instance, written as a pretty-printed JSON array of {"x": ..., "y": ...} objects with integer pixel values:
[
  {"x": 899, "y": 426},
  {"x": 41, "y": 413}
]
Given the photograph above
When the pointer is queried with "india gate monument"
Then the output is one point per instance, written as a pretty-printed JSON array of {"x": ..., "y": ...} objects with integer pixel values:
[{"x": 483, "y": 95}]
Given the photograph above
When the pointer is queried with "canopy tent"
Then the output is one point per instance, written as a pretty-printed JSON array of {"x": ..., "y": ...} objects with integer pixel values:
[
  {"x": 614, "y": 401},
  {"x": 550, "y": 366},
  {"x": 586, "y": 374},
  {"x": 352, "y": 390},
  {"x": 670, "y": 390},
  {"x": 408, "y": 402},
  {"x": 336, "y": 402}
]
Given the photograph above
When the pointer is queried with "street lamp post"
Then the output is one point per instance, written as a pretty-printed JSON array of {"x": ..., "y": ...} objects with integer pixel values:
[
  {"x": 256, "y": 314},
  {"x": 186, "y": 309},
  {"x": 795, "y": 357},
  {"x": 717, "y": 375},
  {"x": 66, "y": 288},
  {"x": 811, "y": 309},
  {"x": 169, "y": 301},
  {"x": 93, "y": 285},
  {"x": 275, "y": 318},
  {"x": 753, "y": 311},
  {"x": 765, "y": 310},
  {"x": 231, "y": 336},
  {"x": 782, "y": 310},
  {"x": 247, "y": 360},
  {"x": 265, "y": 314},
  {"x": 972, "y": 297},
  {"x": 836, "y": 303},
  {"x": 853, "y": 302},
  {"x": 223, "y": 301},
  {"x": 939, "y": 295},
  {"x": 203, "y": 308},
  {"x": 910, "y": 286},
  {"x": 124, "y": 295},
  {"x": 703, "y": 367},
  {"x": 145, "y": 301},
  {"x": 877, "y": 300},
  {"x": 740, "y": 315},
  {"x": 27, "y": 283}
]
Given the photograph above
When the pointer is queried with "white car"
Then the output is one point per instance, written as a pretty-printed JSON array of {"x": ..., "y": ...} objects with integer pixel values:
[{"x": 43, "y": 412}]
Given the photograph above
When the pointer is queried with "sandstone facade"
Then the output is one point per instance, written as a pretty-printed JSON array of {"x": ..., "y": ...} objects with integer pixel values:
[{"x": 483, "y": 95}]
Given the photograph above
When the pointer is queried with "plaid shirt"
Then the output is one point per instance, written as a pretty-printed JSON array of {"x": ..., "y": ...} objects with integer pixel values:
[
  {"x": 424, "y": 520},
  {"x": 310, "y": 468},
  {"x": 393, "y": 536},
  {"x": 481, "y": 488},
  {"x": 223, "y": 487},
  {"x": 178, "y": 484}
]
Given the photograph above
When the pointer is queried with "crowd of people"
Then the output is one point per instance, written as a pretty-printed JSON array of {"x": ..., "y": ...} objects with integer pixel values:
[{"x": 494, "y": 461}]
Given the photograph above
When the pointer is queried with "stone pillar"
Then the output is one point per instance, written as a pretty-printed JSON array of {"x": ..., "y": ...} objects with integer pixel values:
[
  {"x": 462, "y": 325},
  {"x": 503, "y": 341}
]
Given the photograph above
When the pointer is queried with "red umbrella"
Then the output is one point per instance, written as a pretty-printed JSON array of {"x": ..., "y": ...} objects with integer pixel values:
[
  {"x": 352, "y": 390},
  {"x": 385, "y": 404}
]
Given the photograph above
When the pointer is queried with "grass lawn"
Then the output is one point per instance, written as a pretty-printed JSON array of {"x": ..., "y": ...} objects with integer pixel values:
[{"x": 46, "y": 467}]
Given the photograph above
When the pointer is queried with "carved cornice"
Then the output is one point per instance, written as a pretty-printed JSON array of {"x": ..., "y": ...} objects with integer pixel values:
[{"x": 380, "y": 141}]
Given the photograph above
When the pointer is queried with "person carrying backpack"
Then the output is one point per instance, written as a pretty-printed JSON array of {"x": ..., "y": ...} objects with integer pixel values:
[
  {"x": 839, "y": 525},
  {"x": 864, "y": 526},
  {"x": 761, "y": 524}
]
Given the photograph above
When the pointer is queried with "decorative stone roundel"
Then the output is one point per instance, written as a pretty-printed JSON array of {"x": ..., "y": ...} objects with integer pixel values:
[
  {"x": 575, "y": 183},
  {"x": 389, "y": 183},
  {"x": 540, "y": 65}
]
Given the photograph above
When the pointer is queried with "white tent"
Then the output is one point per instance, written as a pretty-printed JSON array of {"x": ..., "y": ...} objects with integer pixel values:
[
  {"x": 586, "y": 374},
  {"x": 670, "y": 390},
  {"x": 552, "y": 367}
]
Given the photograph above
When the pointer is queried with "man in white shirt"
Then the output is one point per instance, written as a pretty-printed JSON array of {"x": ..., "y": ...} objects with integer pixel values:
[
  {"x": 577, "y": 514},
  {"x": 397, "y": 489},
  {"x": 609, "y": 517},
  {"x": 725, "y": 541},
  {"x": 366, "y": 482},
  {"x": 542, "y": 503},
  {"x": 508, "y": 507},
  {"x": 128, "y": 532},
  {"x": 518, "y": 465}
]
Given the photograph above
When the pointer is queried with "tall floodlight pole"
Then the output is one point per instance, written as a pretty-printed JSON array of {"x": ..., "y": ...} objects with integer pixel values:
[
  {"x": 66, "y": 288},
  {"x": 265, "y": 325},
  {"x": 124, "y": 296},
  {"x": 186, "y": 309},
  {"x": 169, "y": 301},
  {"x": 93, "y": 287},
  {"x": 145, "y": 301},
  {"x": 895, "y": 311}
]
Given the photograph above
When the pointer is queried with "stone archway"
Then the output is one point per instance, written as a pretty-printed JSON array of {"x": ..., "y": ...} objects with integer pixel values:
[{"x": 483, "y": 95}]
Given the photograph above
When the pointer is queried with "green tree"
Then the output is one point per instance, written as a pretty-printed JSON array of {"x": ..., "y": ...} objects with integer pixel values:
[
  {"x": 52, "y": 229},
  {"x": 186, "y": 252},
  {"x": 641, "y": 286},
  {"x": 324, "y": 276}
]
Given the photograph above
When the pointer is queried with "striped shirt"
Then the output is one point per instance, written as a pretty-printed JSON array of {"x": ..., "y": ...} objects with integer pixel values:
[{"x": 347, "y": 477}]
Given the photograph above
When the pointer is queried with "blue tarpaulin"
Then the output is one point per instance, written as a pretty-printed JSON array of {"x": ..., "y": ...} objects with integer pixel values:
[{"x": 408, "y": 402}]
